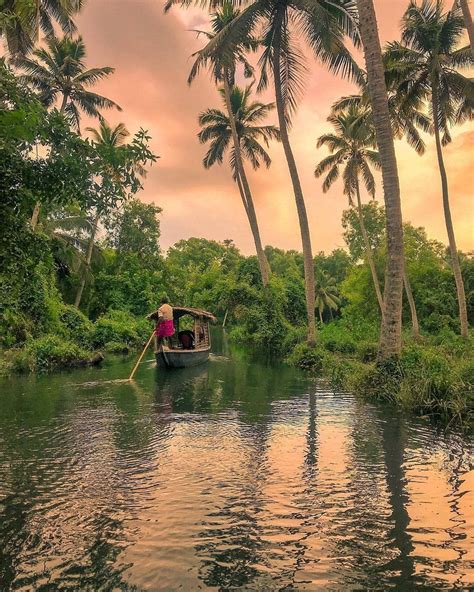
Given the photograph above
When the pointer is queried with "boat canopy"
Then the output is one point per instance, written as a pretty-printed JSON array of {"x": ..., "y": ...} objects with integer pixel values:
[
  {"x": 181, "y": 311},
  {"x": 197, "y": 313}
]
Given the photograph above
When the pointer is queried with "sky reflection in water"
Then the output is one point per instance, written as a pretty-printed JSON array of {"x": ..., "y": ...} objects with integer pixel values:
[{"x": 236, "y": 475}]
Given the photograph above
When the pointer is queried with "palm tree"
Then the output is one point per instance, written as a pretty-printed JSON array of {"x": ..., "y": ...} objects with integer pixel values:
[
  {"x": 390, "y": 332},
  {"x": 327, "y": 295},
  {"x": 21, "y": 22},
  {"x": 424, "y": 67},
  {"x": 217, "y": 130},
  {"x": 223, "y": 72},
  {"x": 66, "y": 230},
  {"x": 352, "y": 147},
  {"x": 58, "y": 72},
  {"x": 112, "y": 138},
  {"x": 323, "y": 25}
]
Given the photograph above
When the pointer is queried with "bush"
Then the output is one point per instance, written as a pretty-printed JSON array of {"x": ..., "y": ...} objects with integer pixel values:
[
  {"x": 120, "y": 326},
  {"x": 117, "y": 347},
  {"x": 77, "y": 325},
  {"x": 306, "y": 357},
  {"x": 367, "y": 351},
  {"x": 49, "y": 353}
]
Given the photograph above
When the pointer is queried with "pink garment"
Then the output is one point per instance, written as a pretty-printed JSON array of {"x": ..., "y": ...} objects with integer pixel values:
[{"x": 164, "y": 329}]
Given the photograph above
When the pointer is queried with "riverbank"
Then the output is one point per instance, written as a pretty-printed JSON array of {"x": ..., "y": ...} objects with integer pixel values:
[
  {"x": 433, "y": 375},
  {"x": 76, "y": 342}
]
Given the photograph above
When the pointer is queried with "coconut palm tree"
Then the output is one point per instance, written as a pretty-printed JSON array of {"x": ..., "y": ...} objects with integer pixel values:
[
  {"x": 352, "y": 147},
  {"x": 323, "y": 25},
  {"x": 355, "y": 133},
  {"x": 66, "y": 229},
  {"x": 327, "y": 295},
  {"x": 58, "y": 73},
  {"x": 223, "y": 72},
  {"x": 390, "y": 332},
  {"x": 21, "y": 22},
  {"x": 216, "y": 129},
  {"x": 111, "y": 138},
  {"x": 425, "y": 67}
]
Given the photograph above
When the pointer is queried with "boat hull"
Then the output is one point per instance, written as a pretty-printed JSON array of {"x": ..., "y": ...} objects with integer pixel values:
[{"x": 168, "y": 358}]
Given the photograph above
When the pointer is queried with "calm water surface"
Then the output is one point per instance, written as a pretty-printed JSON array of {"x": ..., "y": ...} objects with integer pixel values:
[{"x": 231, "y": 476}]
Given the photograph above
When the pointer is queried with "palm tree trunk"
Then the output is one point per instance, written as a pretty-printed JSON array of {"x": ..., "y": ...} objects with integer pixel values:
[
  {"x": 411, "y": 303},
  {"x": 447, "y": 216},
  {"x": 36, "y": 210},
  {"x": 35, "y": 215},
  {"x": 391, "y": 328},
  {"x": 466, "y": 13},
  {"x": 245, "y": 190},
  {"x": 90, "y": 248},
  {"x": 297, "y": 190},
  {"x": 320, "y": 316},
  {"x": 368, "y": 250}
]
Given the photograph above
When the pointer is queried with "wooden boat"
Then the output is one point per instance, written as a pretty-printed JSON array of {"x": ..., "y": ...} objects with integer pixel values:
[{"x": 189, "y": 347}]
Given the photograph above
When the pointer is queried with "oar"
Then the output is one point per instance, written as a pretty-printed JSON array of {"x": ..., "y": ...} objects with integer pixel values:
[{"x": 141, "y": 356}]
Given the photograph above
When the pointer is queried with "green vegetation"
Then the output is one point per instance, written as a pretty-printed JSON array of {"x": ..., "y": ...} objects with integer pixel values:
[{"x": 81, "y": 261}]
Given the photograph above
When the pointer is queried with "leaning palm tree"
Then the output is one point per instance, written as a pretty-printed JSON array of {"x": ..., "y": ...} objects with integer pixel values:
[
  {"x": 111, "y": 138},
  {"x": 59, "y": 74},
  {"x": 391, "y": 328},
  {"x": 217, "y": 130},
  {"x": 425, "y": 67},
  {"x": 323, "y": 25},
  {"x": 22, "y": 22},
  {"x": 223, "y": 72},
  {"x": 354, "y": 122},
  {"x": 352, "y": 147},
  {"x": 327, "y": 295}
]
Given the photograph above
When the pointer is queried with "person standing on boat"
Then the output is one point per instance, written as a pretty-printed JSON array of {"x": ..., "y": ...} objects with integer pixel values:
[{"x": 165, "y": 326}]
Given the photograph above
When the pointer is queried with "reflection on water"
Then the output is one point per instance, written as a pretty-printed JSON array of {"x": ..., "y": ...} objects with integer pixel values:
[{"x": 233, "y": 475}]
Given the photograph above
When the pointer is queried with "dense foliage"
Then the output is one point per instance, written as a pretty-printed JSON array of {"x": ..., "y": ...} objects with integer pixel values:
[{"x": 81, "y": 263}]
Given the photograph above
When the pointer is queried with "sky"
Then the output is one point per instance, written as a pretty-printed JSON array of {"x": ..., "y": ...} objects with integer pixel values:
[{"x": 151, "y": 54}]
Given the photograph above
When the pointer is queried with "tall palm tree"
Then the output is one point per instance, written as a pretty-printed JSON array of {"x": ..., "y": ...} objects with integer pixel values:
[
  {"x": 113, "y": 138},
  {"x": 323, "y": 25},
  {"x": 58, "y": 72},
  {"x": 352, "y": 147},
  {"x": 223, "y": 72},
  {"x": 390, "y": 332},
  {"x": 327, "y": 295},
  {"x": 21, "y": 22},
  {"x": 216, "y": 129},
  {"x": 424, "y": 66}
]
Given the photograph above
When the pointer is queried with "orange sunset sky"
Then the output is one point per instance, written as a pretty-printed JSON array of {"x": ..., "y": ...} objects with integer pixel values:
[{"x": 151, "y": 53}]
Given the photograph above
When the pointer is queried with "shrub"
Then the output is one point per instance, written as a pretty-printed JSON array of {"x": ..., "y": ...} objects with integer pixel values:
[
  {"x": 49, "y": 353},
  {"x": 120, "y": 326},
  {"x": 367, "y": 351},
  {"x": 117, "y": 347},
  {"x": 306, "y": 357},
  {"x": 77, "y": 325}
]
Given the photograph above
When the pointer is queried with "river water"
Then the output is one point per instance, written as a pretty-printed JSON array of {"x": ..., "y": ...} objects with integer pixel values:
[{"x": 236, "y": 475}]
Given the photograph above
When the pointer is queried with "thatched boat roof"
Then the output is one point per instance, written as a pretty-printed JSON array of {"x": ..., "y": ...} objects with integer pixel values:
[{"x": 181, "y": 311}]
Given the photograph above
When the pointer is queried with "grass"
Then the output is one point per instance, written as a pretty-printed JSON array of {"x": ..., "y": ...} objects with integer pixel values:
[{"x": 434, "y": 377}]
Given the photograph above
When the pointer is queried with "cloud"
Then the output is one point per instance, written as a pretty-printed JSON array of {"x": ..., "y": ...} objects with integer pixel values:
[{"x": 151, "y": 53}]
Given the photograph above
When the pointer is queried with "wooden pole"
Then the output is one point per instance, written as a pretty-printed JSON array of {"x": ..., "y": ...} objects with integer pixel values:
[{"x": 141, "y": 356}]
